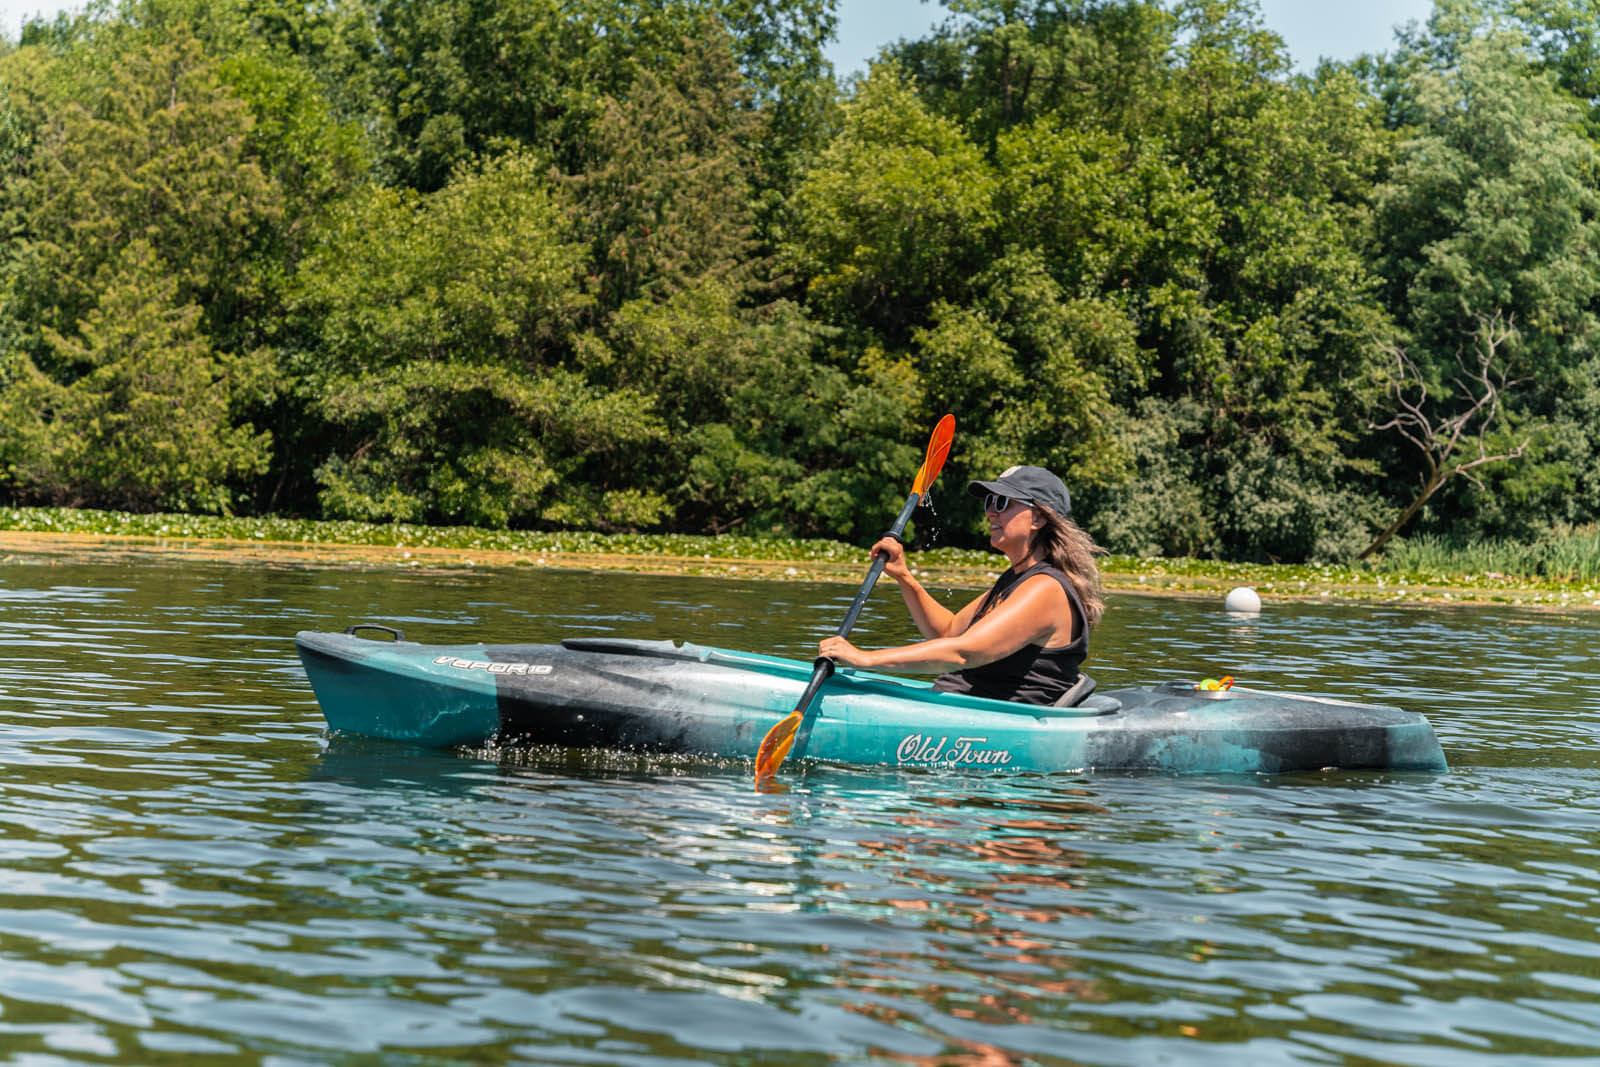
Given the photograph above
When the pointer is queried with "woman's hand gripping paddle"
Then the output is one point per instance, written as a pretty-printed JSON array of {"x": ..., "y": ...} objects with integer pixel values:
[{"x": 775, "y": 746}]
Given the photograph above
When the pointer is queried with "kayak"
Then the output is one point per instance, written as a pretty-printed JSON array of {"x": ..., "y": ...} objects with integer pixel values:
[{"x": 665, "y": 697}]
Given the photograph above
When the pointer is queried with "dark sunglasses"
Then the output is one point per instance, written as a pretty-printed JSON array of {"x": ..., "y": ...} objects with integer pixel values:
[{"x": 997, "y": 502}]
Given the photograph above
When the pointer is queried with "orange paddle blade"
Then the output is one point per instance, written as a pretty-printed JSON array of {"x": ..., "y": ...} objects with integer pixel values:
[
  {"x": 776, "y": 745},
  {"x": 938, "y": 449}
]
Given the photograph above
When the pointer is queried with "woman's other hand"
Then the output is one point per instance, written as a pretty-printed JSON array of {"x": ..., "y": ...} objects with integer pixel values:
[
  {"x": 894, "y": 558},
  {"x": 841, "y": 651}
]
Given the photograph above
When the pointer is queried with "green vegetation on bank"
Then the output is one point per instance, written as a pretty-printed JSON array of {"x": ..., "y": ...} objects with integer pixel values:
[
  {"x": 1559, "y": 570},
  {"x": 648, "y": 268},
  {"x": 174, "y": 527}
]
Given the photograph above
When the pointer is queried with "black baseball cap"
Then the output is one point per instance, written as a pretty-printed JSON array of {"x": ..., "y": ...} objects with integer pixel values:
[{"x": 1031, "y": 485}]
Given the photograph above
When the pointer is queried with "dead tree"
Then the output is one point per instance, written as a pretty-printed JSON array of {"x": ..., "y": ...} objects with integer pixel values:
[{"x": 1457, "y": 444}]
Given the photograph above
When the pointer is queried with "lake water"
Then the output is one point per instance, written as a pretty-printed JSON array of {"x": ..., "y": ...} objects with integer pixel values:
[{"x": 191, "y": 870}]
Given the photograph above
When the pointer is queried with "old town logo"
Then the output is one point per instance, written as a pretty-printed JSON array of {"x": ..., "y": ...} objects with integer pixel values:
[{"x": 962, "y": 751}]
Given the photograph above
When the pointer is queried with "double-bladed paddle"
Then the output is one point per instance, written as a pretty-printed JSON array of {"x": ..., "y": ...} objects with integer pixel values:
[{"x": 775, "y": 746}]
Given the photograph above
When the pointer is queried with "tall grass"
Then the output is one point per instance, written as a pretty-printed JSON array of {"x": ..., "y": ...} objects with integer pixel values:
[{"x": 1567, "y": 555}]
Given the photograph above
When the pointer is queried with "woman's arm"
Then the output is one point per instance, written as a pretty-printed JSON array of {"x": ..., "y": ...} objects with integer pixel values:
[
  {"x": 1032, "y": 614},
  {"x": 932, "y": 618}
]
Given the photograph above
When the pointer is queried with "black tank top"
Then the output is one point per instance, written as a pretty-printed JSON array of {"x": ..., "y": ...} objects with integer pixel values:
[{"x": 1032, "y": 674}]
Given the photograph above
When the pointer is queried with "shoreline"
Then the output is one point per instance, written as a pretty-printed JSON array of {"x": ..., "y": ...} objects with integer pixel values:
[{"x": 1153, "y": 577}]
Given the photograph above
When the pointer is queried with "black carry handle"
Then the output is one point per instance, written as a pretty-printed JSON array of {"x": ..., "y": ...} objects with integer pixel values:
[{"x": 396, "y": 634}]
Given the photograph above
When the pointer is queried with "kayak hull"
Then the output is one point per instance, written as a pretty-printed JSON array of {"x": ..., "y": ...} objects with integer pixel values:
[{"x": 655, "y": 696}]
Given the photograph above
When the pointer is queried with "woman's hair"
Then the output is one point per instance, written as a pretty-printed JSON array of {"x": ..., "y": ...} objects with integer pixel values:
[{"x": 1064, "y": 545}]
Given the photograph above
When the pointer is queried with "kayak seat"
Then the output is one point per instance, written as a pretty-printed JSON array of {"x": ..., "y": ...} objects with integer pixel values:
[
  {"x": 1075, "y": 696},
  {"x": 624, "y": 646},
  {"x": 1099, "y": 704},
  {"x": 1083, "y": 699}
]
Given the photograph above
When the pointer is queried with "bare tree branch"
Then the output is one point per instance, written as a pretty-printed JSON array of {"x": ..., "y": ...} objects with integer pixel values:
[{"x": 1457, "y": 444}]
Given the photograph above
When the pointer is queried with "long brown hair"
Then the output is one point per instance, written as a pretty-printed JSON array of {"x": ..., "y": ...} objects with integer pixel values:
[{"x": 1064, "y": 545}]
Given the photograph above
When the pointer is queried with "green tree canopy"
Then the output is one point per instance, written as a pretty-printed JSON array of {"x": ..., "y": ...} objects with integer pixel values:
[
  {"x": 159, "y": 154},
  {"x": 643, "y": 263},
  {"x": 442, "y": 329},
  {"x": 144, "y": 421},
  {"x": 1492, "y": 214},
  {"x": 1182, "y": 240}
]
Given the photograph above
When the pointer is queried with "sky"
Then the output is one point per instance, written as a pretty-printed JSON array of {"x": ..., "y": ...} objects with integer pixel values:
[
  {"x": 1311, "y": 28},
  {"x": 12, "y": 12}
]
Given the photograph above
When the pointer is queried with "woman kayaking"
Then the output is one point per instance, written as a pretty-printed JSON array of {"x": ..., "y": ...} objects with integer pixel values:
[{"x": 1025, "y": 638}]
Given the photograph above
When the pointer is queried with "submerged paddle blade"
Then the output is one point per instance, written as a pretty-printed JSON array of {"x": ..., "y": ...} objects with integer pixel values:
[
  {"x": 775, "y": 746},
  {"x": 938, "y": 449}
]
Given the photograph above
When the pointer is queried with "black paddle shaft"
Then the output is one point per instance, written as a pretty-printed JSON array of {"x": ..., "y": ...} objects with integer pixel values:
[
  {"x": 824, "y": 666},
  {"x": 878, "y": 562}
]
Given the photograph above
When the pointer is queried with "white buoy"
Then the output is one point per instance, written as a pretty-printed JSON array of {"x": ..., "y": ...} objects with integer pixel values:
[{"x": 1243, "y": 600}]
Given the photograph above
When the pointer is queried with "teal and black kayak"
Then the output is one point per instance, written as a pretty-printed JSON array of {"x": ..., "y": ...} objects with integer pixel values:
[{"x": 658, "y": 696}]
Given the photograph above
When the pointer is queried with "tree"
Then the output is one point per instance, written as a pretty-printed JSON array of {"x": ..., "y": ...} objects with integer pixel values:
[
  {"x": 441, "y": 325},
  {"x": 159, "y": 154},
  {"x": 457, "y": 79},
  {"x": 1491, "y": 214},
  {"x": 133, "y": 197},
  {"x": 666, "y": 199},
  {"x": 143, "y": 420},
  {"x": 1270, "y": 328},
  {"x": 1193, "y": 220},
  {"x": 896, "y": 214},
  {"x": 1566, "y": 37},
  {"x": 1443, "y": 438},
  {"x": 748, "y": 412}
]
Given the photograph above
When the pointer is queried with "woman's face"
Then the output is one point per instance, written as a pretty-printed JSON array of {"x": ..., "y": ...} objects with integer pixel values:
[{"x": 1010, "y": 527}]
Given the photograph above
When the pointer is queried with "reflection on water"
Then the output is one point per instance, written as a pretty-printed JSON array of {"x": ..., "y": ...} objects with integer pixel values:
[{"x": 193, "y": 870}]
